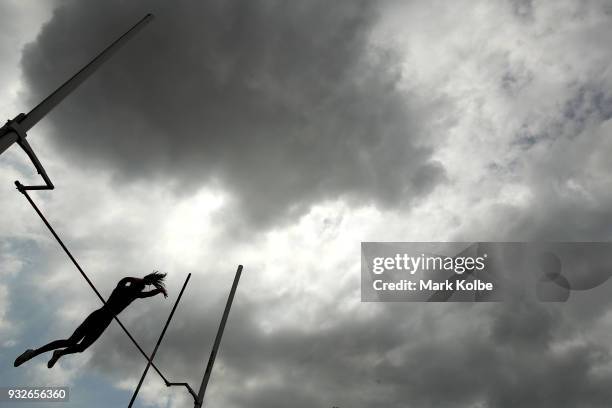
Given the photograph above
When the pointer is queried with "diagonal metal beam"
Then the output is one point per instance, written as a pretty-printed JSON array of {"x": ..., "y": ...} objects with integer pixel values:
[{"x": 8, "y": 135}]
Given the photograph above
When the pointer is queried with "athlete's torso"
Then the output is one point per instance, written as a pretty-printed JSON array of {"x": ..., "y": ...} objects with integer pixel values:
[{"x": 121, "y": 297}]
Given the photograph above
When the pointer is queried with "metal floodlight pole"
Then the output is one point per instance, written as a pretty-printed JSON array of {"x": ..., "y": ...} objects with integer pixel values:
[
  {"x": 215, "y": 349},
  {"x": 15, "y": 130}
]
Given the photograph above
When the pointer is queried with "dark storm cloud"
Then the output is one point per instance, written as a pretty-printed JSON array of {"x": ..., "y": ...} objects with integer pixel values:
[{"x": 284, "y": 103}]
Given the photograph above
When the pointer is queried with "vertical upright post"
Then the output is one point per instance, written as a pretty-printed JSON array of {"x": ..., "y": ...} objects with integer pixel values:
[
  {"x": 215, "y": 349},
  {"x": 159, "y": 340}
]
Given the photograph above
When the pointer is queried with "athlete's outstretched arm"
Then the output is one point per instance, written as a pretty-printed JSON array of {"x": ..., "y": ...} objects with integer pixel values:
[{"x": 150, "y": 293}]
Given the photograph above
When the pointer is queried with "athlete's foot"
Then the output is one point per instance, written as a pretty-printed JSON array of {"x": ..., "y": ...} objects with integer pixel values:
[
  {"x": 56, "y": 356},
  {"x": 25, "y": 356}
]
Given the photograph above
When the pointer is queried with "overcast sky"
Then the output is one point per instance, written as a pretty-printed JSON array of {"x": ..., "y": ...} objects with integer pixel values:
[{"x": 280, "y": 135}]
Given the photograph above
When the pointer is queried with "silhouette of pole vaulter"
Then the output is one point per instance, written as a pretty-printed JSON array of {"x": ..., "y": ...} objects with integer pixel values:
[{"x": 127, "y": 290}]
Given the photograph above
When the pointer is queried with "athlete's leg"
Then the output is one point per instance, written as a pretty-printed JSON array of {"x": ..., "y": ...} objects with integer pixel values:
[
  {"x": 99, "y": 324},
  {"x": 78, "y": 334}
]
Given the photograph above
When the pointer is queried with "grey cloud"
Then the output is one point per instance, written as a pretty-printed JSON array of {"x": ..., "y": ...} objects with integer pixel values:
[
  {"x": 566, "y": 172},
  {"x": 18, "y": 19},
  {"x": 523, "y": 9},
  {"x": 282, "y": 103}
]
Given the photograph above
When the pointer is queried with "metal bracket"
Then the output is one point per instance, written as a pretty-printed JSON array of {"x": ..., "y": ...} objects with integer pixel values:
[
  {"x": 13, "y": 125},
  {"x": 191, "y": 391}
]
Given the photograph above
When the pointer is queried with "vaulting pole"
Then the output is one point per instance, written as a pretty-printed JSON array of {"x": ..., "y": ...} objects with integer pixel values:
[
  {"x": 215, "y": 349},
  {"x": 161, "y": 336},
  {"x": 16, "y": 129}
]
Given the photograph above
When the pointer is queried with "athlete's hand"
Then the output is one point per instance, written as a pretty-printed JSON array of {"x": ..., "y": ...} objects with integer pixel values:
[{"x": 164, "y": 291}]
